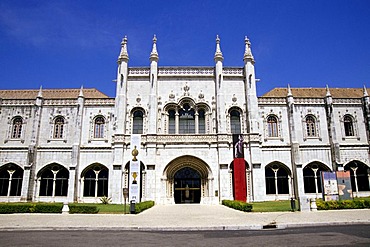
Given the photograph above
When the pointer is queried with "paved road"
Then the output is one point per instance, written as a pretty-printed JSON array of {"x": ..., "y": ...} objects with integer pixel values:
[{"x": 346, "y": 235}]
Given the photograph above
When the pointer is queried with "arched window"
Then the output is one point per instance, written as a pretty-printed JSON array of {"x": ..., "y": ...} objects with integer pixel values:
[
  {"x": 277, "y": 179},
  {"x": 235, "y": 125},
  {"x": 312, "y": 178},
  {"x": 348, "y": 126},
  {"x": 186, "y": 120},
  {"x": 17, "y": 128},
  {"x": 137, "y": 125},
  {"x": 54, "y": 181},
  {"x": 99, "y": 124},
  {"x": 58, "y": 127},
  {"x": 272, "y": 126},
  {"x": 95, "y": 181},
  {"x": 360, "y": 176},
  {"x": 11, "y": 177},
  {"x": 171, "y": 122},
  {"x": 201, "y": 122},
  {"x": 310, "y": 126}
]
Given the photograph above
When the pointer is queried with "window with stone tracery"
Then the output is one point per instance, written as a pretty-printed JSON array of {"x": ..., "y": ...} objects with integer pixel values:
[
  {"x": 171, "y": 122},
  {"x": 235, "y": 123},
  {"x": 272, "y": 126},
  {"x": 348, "y": 125},
  {"x": 310, "y": 126},
  {"x": 17, "y": 128},
  {"x": 202, "y": 121},
  {"x": 137, "y": 122},
  {"x": 187, "y": 118},
  {"x": 58, "y": 128},
  {"x": 99, "y": 124}
]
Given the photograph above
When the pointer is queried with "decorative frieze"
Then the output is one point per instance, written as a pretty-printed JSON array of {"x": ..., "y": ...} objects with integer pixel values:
[
  {"x": 16, "y": 102},
  {"x": 138, "y": 71},
  {"x": 186, "y": 71},
  {"x": 271, "y": 101},
  {"x": 52, "y": 102},
  {"x": 185, "y": 139},
  {"x": 91, "y": 102},
  {"x": 233, "y": 71}
]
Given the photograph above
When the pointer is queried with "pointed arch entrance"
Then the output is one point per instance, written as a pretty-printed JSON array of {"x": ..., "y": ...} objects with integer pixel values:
[{"x": 187, "y": 180}]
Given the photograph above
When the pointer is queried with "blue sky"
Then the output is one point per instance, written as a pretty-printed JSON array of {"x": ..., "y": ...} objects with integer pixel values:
[{"x": 66, "y": 44}]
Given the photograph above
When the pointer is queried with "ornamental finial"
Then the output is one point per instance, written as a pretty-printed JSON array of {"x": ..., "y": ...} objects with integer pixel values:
[
  {"x": 218, "y": 53},
  {"x": 154, "y": 53},
  {"x": 248, "y": 51},
  {"x": 123, "y": 54}
]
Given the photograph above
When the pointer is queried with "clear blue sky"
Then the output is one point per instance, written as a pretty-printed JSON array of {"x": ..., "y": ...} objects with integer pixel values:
[{"x": 66, "y": 44}]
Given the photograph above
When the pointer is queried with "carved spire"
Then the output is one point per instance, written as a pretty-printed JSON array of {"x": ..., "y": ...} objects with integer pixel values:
[
  {"x": 328, "y": 94},
  {"x": 81, "y": 95},
  {"x": 365, "y": 92},
  {"x": 218, "y": 53},
  {"x": 248, "y": 51},
  {"x": 123, "y": 54},
  {"x": 39, "y": 95},
  {"x": 154, "y": 53}
]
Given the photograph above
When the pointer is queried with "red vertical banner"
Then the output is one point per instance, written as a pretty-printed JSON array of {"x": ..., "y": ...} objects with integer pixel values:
[{"x": 240, "y": 186}]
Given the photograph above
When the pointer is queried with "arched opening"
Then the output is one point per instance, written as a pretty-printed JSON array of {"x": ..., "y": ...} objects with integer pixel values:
[
  {"x": 187, "y": 186},
  {"x": 11, "y": 177},
  {"x": 277, "y": 178},
  {"x": 53, "y": 180},
  {"x": 95, "y": 181},
  {"x": 312, "y": 177},
  {"x": 187, "y": 180},
  {"x": 360, "y": 176}
]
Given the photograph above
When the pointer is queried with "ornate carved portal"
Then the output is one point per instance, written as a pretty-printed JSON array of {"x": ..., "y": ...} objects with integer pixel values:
[{"x": 187, "y": 180}]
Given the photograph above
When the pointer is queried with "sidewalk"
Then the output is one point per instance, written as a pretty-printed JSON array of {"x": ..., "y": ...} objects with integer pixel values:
[{"x": 191, "y": 217}]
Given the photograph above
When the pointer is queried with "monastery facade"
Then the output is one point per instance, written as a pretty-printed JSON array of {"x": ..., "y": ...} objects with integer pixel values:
[{"x": 74, "y": 144}]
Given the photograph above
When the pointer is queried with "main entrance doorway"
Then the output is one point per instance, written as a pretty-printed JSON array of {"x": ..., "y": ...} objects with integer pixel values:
[{"x": 187, "y": 186}]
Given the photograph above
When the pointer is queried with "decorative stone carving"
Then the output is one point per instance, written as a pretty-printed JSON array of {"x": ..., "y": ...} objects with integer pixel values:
[{"x": 186, "y": 89}]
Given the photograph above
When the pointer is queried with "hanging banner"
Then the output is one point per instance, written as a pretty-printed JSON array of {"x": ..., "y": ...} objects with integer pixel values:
[
  {"x": 240, "y": 186},
  {"x": 134, "y": 176}
]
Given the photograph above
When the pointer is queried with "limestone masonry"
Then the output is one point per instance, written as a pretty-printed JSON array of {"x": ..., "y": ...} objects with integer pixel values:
[{"x": 67, "y": 145}]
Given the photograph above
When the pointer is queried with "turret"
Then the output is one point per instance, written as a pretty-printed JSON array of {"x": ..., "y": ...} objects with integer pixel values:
[
  {"x": 121, "y": 90},
  {"x": 221, "y": 114},
  {"x": 250, "y": 88},
  {"x": 153, "y": 102}
]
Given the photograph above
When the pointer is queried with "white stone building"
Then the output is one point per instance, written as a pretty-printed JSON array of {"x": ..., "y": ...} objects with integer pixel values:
[{"x": 74, "y": 144}]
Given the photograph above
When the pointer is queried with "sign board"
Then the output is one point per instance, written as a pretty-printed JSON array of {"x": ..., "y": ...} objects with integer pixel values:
[
  {"x": 344, "y": 185},
  {"x": 329, "y": 186}
]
